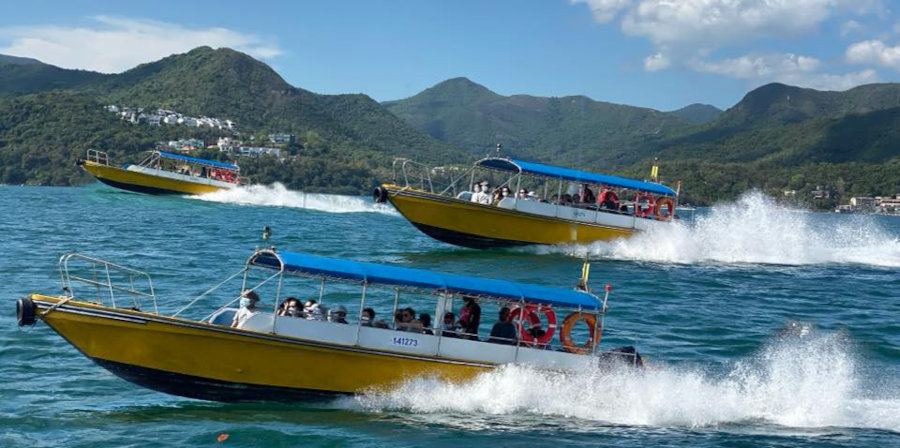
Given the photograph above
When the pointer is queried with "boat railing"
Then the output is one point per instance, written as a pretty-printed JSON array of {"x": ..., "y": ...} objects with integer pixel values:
[
  {"x": 100, "y": 157},
  {"x": 119, "y": 285},
  {"x": 433, "y": 179}
]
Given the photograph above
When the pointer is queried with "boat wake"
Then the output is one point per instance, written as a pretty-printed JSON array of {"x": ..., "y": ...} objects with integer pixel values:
[
  {"x": 803, "y": 383},
  {"x": 754, "y": 229},
  {"x": 277, "y": 195}
]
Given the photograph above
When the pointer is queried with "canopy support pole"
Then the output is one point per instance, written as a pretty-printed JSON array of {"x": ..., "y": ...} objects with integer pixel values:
[{"x": 362, "y": 305}]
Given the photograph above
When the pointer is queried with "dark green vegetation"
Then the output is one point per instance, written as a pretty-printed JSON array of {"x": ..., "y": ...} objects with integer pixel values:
[
  {"x": 346, "y": 142},
  {"x": 697, "y": 113},
  {"x": 472, "y": 117},
  {"x": 778, "y": 137}
]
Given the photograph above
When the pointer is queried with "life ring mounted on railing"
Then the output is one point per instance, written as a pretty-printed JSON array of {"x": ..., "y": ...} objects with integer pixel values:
[
  {"x": 667, "y": 203},
  {"x": 530, "y": 313},
  {"x": 644, "y": 204},
  {"x": 565, "y": 336}
]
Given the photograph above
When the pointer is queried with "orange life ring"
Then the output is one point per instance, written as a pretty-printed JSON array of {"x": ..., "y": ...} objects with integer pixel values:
[
  {"x": 608, "y": 194},
  {"x": 566, "y": 339},
  {"x": 638, "y": 211},
  {"x": 669, "y": 204},
  {"x": 530, "y": 313}
]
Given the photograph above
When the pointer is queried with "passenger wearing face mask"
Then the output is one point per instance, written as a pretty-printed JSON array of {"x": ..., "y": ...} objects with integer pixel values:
[
  {"x": 291, "y": 308},
  {"x": 247, "y": 308}
]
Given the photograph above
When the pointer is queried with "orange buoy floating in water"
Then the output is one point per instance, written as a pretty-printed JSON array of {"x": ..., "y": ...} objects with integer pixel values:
[{"x": 222, "y": 437}]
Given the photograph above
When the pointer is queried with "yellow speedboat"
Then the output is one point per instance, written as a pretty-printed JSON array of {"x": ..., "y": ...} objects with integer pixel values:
[
  {"x": 532, "y": 203},
  {"x": 251, "y": 353},
  {"x": 164, "y": 173}
]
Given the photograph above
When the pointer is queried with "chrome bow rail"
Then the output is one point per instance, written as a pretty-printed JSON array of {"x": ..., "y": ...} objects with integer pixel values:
[{"x": 106, "y": 278}]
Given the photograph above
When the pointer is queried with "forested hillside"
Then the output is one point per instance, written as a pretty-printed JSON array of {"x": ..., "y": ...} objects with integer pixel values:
[{"x": 777, "y": 137}]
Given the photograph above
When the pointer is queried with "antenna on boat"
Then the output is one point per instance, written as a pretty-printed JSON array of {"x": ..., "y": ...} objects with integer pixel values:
[
  {"x": 499, "y": 146},
  {"x": 266, "y": 233}
]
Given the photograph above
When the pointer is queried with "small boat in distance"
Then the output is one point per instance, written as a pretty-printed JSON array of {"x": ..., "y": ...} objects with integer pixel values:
[
  {"x": 531, "y": 203},
  {"x": 283, "y": 351},
  {"x": 163, "y": 173}
]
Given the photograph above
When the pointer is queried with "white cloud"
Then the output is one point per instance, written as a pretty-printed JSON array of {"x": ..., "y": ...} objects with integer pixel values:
[
  {"x": 785, "y": 68},
  {"x": 715, "y": 23},
  {"x": 874, "y": 52},
  {"x": 758, "y": 66},
  {"x": 116, "y": 44},
  {"x": 605, "y": 10},
  {"x": 851, "y": 27},
  {"x": 656, "y": 62}
]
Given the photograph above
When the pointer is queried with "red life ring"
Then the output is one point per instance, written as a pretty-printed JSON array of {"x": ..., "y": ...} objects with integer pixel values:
[
  {"x": 669, "y": 204},
  {"x": 531, "y": 314},
  {"x": 648, "y": 211},
  {"x": 608, "y": 194},
  {"x": 566, "y": 339}
]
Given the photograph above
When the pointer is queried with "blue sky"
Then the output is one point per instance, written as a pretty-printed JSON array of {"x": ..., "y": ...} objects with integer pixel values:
[{"x": 663, "y": 54}]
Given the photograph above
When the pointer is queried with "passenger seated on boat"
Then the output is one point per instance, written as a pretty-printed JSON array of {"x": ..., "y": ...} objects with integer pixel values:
[
  {"x": 312, "y": 311},
  {"x": 367, "y": 319},
  {"x": 425, "y": 319},
  {"x": 484, "y": 196},
  {"x": 407, "y": 321},
  {"x": 504, "y": 331},
  {"x": 290, "y": 307},
  {"x": 338, "y": 315},
  {"x": 470, "y": 318},
  {"x": 203, "y": 172},
  {"x": 607, "y": 200},
  {"x": 476, "y": 192},
  {"x": 449, "y": 328},
  {"x": 247, "y": 308},
  {"x": 566, "y": 199},
  {"x": 586, "y": 195}
]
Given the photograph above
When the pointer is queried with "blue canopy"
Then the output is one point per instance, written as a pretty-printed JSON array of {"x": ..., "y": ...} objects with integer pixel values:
[
  {"x": 170, "y": 155},
  {"x": 539, "y": 169},
  {"x": 420, "y": 278}
]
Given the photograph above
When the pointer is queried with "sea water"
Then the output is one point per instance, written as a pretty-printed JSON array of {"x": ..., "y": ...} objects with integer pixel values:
[{"x": 703, "y": 299}]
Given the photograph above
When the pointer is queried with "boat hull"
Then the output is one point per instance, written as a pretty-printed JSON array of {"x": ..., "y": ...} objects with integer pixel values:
[
  {"x": 480, "y": 226},
  {"x": 145, "y": 183},
  {"x": 212, "y": 362}
]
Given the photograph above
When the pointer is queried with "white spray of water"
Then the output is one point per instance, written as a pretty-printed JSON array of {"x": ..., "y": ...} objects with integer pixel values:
[
  {"x": 803, "y": 384},
  {"x": 277, "y": 195},
  {"x": 754, "y": 229}
]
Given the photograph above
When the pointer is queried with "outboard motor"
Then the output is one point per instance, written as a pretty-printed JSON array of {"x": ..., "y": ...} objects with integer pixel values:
[
  {"x": 25, "y": 311},
  {"x": 380, "y": 195}
]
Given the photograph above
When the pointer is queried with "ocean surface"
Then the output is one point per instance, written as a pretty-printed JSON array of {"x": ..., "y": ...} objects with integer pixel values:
[{"x": 703, "y": 299}]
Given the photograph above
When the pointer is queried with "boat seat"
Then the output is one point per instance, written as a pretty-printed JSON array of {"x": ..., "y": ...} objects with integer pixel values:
[{"x": 223, "y": 317}]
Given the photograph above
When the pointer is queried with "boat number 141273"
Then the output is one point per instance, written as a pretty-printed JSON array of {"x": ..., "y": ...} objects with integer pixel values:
[{"x": 406, "y": 342}]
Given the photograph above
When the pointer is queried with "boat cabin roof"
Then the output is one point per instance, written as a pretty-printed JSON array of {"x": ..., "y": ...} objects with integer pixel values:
[
  {"x": 539, "y": 169},
  {"x": 314, "y": 265},
  {"x": 198, "y": 160}
]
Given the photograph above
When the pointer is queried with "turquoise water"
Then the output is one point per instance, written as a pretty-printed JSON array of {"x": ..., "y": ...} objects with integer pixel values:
[{"x": 702, "y": 300}]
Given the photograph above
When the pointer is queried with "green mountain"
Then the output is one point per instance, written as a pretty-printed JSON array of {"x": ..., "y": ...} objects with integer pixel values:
[
  {"x": 697, "y": 113},
  {"x": 25, "y": 75},
  {"x": 778, "y": 104},
  {"x": 568, "y": 129},
  {"x": 338, "y": 130},
  {"x": 776, "y": 137}
]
